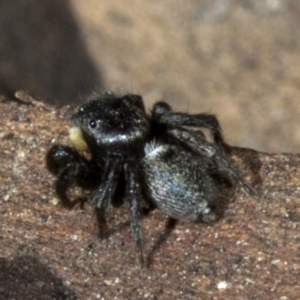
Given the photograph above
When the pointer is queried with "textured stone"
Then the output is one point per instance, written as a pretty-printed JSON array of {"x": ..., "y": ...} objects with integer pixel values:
[{"x": 252, "y": 252}]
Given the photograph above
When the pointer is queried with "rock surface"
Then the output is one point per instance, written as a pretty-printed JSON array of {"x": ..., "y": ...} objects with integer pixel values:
[{"x": 48, "y": 252}]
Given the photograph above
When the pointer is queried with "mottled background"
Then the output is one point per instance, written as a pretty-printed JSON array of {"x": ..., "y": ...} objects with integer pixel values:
[{"x": 238, "y": 59}]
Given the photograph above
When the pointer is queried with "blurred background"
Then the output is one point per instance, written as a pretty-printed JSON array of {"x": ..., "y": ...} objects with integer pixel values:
[{"x": 238, "y": 59}]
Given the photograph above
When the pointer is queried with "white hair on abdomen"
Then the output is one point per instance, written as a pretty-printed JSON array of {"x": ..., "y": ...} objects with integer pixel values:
[{"x": 153, "y": 149}]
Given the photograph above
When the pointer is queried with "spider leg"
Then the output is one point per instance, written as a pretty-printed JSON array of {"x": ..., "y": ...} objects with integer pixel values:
[
  {"x": 222, "y": 166},
  {"x": 64, "y": 180},
  {"x": 105, "y": 193},
  {"x": 195, "y": 140},
  {"x": 162, "y": 113},
  {"x": 220, "y": 163},
  {"x": 133, "y": 195},
  {"x": 70, "y": 167}
]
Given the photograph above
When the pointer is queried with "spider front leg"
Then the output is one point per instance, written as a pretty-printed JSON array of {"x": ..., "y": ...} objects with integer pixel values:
[
  {"x": 162, "y": 113},
  {"x": 69, "y": 167},
  {"x": 134, "y": 197},
  {"x": 105, "y": 194}
]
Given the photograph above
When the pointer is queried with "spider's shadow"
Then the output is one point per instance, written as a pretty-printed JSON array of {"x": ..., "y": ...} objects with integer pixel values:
[
  {"x": 219, "y": 209},
  {"x": 250, "y": 160},
  {"x": 169, "y": 227}
]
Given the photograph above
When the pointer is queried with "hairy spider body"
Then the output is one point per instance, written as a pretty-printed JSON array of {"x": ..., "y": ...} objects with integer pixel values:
[
  {"x": 143, "y": 160},
  {"x": 172, "y": 174}
]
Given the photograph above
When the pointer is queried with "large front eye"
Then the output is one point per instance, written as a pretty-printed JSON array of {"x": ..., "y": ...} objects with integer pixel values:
[{"x": 93, "y": 123}]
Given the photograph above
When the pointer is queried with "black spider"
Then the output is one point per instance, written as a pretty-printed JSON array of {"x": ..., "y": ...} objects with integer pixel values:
[{"x": 145, "y": 160}]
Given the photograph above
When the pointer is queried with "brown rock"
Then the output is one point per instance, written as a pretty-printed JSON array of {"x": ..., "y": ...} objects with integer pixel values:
[{"x": 48, "y": 252}]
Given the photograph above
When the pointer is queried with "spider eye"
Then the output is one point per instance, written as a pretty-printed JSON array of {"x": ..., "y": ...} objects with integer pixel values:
[{"x": 93, "y": 123}]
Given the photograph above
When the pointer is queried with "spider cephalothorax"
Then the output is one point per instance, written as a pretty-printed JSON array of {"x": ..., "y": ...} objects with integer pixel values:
[{"x": 146, "y": 160}]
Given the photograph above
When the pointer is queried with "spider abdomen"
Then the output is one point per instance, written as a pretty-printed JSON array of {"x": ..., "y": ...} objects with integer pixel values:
[{"x": 178, "y": 184}]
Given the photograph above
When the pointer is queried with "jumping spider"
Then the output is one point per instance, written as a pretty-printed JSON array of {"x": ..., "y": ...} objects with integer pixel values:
[{"x": 145, "y": 160}]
